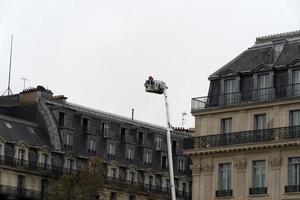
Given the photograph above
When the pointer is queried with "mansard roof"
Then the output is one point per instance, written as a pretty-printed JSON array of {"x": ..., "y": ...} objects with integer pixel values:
[
  {"x": 261, "y": 54},
  {"x": 14, "y": 130}
]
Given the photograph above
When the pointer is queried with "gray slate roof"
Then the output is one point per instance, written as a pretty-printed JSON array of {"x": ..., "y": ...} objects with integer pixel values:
[{"x": 260, "y": 53}]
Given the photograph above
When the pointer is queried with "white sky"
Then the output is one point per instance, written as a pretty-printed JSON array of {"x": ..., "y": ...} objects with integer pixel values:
[{"x": 98, "y": 53}]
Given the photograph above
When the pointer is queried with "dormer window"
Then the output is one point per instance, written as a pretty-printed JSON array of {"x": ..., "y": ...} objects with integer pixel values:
[
  {"x": 61, "y": 119},
  {"x": 104, "y": 129},
  {"x": 277, "y": 48},
  {"x": 85, "y": 124},
  {"x": 21, "y": 157},
  {"x": 263, "y": 87},
  {"x": 296, "y": 82},
  {"x": 229, "y": 88}
]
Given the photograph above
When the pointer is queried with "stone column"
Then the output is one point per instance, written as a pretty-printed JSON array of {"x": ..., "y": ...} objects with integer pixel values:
[
  {"x": 196, "y": 179},
  {"x": 240, "y": 186},
  {"x": 275, "y": 164},
  {"x": 206, "y": 181}
]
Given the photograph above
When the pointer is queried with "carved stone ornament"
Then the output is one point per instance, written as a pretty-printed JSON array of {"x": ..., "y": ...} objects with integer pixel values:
[
  {"x": 196, "y": 168},
  {"x": 275, "y": 163},
  {"x": 241, "y": 165},
  {"x": 207, "y": 168}
]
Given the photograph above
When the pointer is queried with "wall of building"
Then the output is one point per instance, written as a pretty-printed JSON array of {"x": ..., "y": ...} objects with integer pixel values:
[{"x": 277, "y": 115}]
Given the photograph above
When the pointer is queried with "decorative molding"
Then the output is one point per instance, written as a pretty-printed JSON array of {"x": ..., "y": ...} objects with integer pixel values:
[
  {"x": 207, "y": 168},
  {"x": 275, "y": 163},
  {"x": 240, "y": 165}
]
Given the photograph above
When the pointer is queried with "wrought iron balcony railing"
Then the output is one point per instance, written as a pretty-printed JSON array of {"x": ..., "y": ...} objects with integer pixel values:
[
  {"x": 253, "y": 136},
  {"x": 18, "y": 193},
  {"x": 292, "y": 188},
  {"x": 223, "y": 193},
  {"x": 139, "y": 186},
  {"x": 43, "y": 168},
  {"x": 243, "y": 96},
  {"x": 258, "y": 190}
]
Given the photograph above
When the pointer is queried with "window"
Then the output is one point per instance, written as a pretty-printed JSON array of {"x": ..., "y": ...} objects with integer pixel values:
[
  {"x": 130, "y": 177},
  {"x": 258, "y": 174},
  {"x": 1, "y": 149},
  {"x": 44, "y": 189},
  {"x": 294, "y": 171},
  {"x": 92, "y": 145},
  {"x": 123, "y": 133},
  {"x": 226, "y": 125},
  {"x": 44, "y": 160},
  {"x": 147, "y": 158},
  {"x": 174, "y": 147},
  {"x": 21, "y": 157},
  {"x": 111, "y": 150},
  {"x": 229, "y": 91},
  {"x": 158, "y": 143},
  {"x": 132, "y": 197},
  {"x": 263, "y": 87},
  {"x": 296, "y": 82},
  {"x": 184, "y": 188},
  {"x": 277, "y": 48},
  {"x": 181, "y": 165},
  {"x": 130, "y": 153},
  {"x": 85, "y": 124},
  {"x": 259, "y": 122},
  {"x": 104, "y": 129},
  {"x": 149, "y": 181},
  {"x": 68, "y": 140},
  {"x": 70, "y": 164},
  {"x": 295, "y": 118},
  {"x": 225, "y": 176},
  {"x": 113, "y": 196},
  {"x": 61, "y": 120},
  {"x": 21, "y": 182},
  {"x": 164, "y": 162},
  {"x": 141, "y": 138},
  {"x": 112, "y": 172}
]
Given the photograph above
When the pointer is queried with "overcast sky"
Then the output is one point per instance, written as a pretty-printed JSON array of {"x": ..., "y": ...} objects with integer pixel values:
[{"x": 98, "y": 53}]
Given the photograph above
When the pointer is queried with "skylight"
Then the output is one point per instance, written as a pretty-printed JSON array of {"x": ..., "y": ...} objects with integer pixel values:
[{"x": 7, "y": 125}]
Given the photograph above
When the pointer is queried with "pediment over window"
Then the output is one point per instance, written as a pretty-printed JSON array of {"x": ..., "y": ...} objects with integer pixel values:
[
  {"x": 45, "y": 149},
  {"x": 22, "y": 144},
  {"x": 228, "y": 73},
  {"x": 294, "y": 63},
  {"x": 132, "y": 167},
  {"x": 262, "y": 68}
]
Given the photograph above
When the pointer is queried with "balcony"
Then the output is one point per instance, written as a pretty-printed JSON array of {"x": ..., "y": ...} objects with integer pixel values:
[
  {"x": 142, "y": 187},
  {"x": 258, "y": 190},
  {"x": 8, "y": 192},
  {"x": 223, "y": 193},
  {"x": 245, "y": 137},
  {"x": 292, "y": 188},
  {"x": 245, "y": 96}
]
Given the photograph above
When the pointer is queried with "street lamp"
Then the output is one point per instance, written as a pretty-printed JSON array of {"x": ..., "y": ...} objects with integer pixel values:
[{"x": 159, "y": 87}]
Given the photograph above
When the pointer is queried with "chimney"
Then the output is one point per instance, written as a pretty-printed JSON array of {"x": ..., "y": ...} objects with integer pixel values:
[{"x": 33, "y": 95}]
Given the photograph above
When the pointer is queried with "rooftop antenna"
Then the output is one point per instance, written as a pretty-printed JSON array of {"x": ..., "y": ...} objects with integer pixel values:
[
  {"x": 24, "y": 82},
  {"x": 183, "y": 120},
  {"x": 8, "y": 90}
]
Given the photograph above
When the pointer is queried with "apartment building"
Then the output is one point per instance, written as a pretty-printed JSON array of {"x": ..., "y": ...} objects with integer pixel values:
[
  {"x": 42, "y": 136},
  {"x": 247, "y": 130}
]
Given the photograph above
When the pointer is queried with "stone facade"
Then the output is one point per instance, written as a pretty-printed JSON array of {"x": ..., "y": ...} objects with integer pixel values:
[{"x": 247, "y": 133}]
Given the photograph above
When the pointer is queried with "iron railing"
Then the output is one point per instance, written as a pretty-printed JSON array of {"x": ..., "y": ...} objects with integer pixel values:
[
  {"x": 149, "y": 188},
  {"x": 258, "y": 190},
  {"x": 292, "y": 188},
  {"x": 223, "y": 193},
  {"x": 263, "y": 94},
  {"x": 18, "y": 193},
  {"x": 43, "y": 168},
  {"x": 253, "y": 136}
]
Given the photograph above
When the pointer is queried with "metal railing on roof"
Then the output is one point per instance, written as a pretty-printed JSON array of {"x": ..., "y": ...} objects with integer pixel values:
[{"x": 245, "y": 96}]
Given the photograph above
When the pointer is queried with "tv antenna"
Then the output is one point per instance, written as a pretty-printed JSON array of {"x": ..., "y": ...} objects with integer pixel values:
[
  {"x": 24, "y": 82},
  {"x": 8, "y": 90},
  {"x": 183, "y": 120}
]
